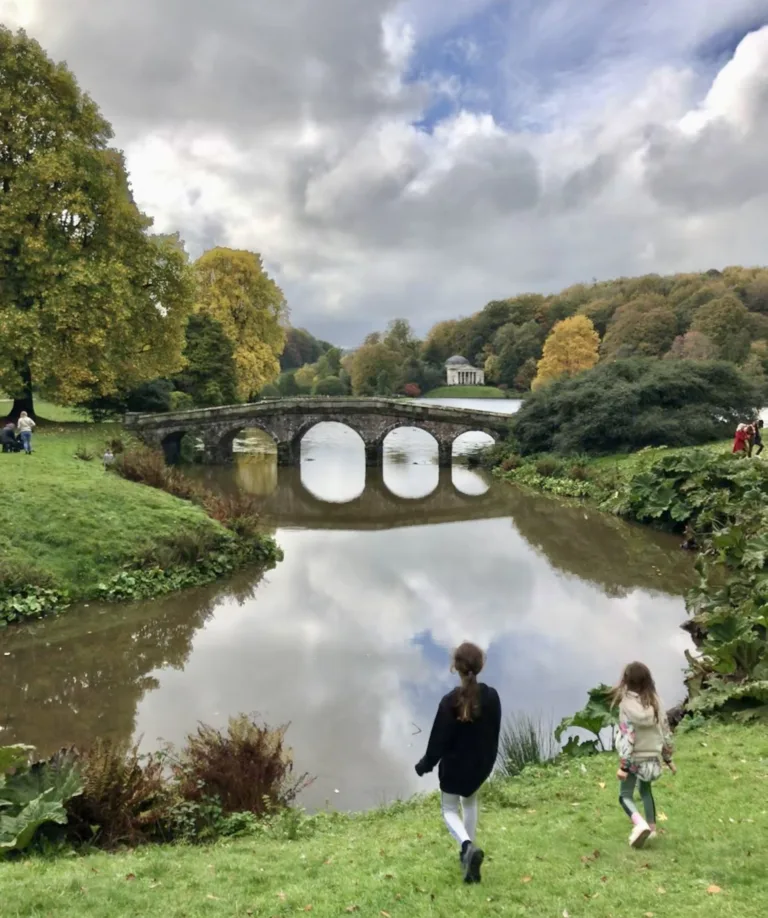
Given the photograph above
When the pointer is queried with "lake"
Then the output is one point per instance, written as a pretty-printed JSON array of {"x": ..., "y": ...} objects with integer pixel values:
[{"x": 348, "y": 638}]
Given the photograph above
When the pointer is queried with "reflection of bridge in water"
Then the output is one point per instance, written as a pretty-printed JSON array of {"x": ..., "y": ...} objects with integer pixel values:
[{"x": 291, "y": 504}]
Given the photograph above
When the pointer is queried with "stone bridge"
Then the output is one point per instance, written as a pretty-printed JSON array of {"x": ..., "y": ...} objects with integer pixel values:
[{"x": 287, "y": 420}]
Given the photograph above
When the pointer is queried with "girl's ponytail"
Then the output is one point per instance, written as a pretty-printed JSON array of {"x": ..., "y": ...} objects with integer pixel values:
[{"x": 468, "y": 661}]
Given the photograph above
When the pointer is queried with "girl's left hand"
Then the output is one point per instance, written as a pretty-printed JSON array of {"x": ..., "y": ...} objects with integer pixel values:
[{"x": 622, "y": 775}]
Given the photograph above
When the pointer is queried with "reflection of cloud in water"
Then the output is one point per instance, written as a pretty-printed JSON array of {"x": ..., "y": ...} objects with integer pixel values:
[
  {"x": 333, "y": 463},
  {"x": 469, "y": 443},
  {"x": 469, "y": 481},
  {"x": 411, "y": 481},
  {"x": 329, "y": 645}
]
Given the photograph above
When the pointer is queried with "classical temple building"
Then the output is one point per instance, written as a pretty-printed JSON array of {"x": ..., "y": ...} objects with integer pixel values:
[{"x": 460, "y": 372}]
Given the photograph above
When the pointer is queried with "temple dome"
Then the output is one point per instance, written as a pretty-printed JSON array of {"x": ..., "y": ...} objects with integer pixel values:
[{"x": 457, "y": 361}]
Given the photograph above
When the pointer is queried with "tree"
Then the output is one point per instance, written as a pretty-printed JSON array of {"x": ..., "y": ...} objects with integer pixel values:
[
  {"x": 329, "y": 385},
  {"x": 515, "y": 345},
  {"x": 525, "y": 377},
  {"x": 234, "y": 289},
  {"x": 210, "y": 363},
  {"x": 301, "y": 347},
  {"x": 726, "y": 322},
  {"x": 643, "y": 327},
  {"x": 631, "y": 404},
  {"x": 305, "y": 378},
  {"x": 692, "y": 346},
  {"x": 572, "y": 346},
  {"x": 375, "y": 369},
  {"x": 90, "y": 301}
]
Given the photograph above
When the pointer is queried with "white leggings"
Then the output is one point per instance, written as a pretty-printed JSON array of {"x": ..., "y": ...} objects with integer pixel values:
[{"x": 462, "y": 829}]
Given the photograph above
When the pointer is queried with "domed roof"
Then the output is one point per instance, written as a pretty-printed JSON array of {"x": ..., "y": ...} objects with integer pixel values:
[{"x": 457, "y": 361}]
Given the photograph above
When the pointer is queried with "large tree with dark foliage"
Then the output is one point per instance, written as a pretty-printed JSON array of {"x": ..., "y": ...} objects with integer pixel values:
[{"x": 630, "y": 404}]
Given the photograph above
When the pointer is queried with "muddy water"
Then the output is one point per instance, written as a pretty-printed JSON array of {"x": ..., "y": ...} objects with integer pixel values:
[{"x": 347, "y": 638}]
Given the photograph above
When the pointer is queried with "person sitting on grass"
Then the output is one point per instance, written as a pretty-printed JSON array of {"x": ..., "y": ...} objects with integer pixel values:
[
  {"x": 464, "y": 743},
  {"x": 644, "y": 739},
  {"x": 25, "y": 427}
]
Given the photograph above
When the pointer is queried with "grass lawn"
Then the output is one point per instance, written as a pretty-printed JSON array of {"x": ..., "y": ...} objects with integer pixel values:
[
  {"x": 555, "y": 841},
  {"x": 466, "y": 392},
  {"x": 47, "y": 411},
  {"x": 74, "y": 520}
]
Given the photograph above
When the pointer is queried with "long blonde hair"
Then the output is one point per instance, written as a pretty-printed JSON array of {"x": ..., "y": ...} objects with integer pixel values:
[{"x": 637, "y": 678}]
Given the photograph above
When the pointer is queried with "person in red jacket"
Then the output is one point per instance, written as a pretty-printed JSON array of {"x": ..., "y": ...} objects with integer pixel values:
[
  {"x": 741, "y": 439},
  {"x": 464, "y": 744}
]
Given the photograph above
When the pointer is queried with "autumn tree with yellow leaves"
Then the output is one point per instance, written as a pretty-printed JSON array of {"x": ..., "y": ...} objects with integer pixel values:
[
  {"x": 90, "y": 301},
  {"x": 571, "y": 347},
  {"x": 234, "y": 289}
]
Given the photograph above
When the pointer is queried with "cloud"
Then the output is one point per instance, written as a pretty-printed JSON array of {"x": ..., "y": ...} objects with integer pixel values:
[{"x": 404, "y": 158}]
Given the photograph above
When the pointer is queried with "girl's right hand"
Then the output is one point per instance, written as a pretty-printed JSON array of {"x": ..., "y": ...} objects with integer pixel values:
[{"x": 672, "y": 767}]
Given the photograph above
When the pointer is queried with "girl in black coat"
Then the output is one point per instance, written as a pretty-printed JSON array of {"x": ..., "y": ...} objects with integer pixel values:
[{"x": 465, "y": 743}]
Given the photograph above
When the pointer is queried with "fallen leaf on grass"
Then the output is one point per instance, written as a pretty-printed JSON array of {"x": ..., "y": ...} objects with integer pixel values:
[
  {"x": 130, "y": 876},
  {"x": 307, "y": 908},
  {"x": 389, "y": 876},
  {"x": 662, "y": 817},
  {"x": 281, "y": 896},
  {"x": 661, "y": 891},
  {"x": 566, "y": 914},
  {"x": 713, "y": 890},
  {"x": 352, "y": 908},
  {"x": 601, "y": 785},
  {"x": 526, "y": 879},
  {"x": 211, "y": 896},
  {"x": 385, "y": 915},
  {"x": 649, "y": 915}
]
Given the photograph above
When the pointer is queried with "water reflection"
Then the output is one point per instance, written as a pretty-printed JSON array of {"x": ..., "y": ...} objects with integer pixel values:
[{"x": 347, "y": 638}]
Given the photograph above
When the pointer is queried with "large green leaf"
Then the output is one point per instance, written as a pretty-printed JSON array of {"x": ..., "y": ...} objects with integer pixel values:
[
  {"x": 14, "y": 756},
  {"x": 16, "y": 832},
  {"x": 598, "y": 714}
]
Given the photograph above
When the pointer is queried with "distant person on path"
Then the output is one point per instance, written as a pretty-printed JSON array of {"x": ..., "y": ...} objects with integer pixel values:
[
  {"x": 741, "y": 439},
  {"x": 25, "y": 427},
  {"x": 108, "y": 459},
  {"x": 464, "y": 743},
  {"x": 756, "y": 441},
  {"x": 644, "y": 740}
]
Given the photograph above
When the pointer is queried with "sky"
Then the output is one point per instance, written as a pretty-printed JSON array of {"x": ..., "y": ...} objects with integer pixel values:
[{"x": 417, "y": 159}]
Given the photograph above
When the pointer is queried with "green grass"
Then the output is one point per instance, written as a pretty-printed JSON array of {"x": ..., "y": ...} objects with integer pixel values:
[
  {"x": 555, "y": 841},
  {"x": 75, "y": 521},
  {"x": 47, "y": 411},
  {"x": 467, "y": 392}
]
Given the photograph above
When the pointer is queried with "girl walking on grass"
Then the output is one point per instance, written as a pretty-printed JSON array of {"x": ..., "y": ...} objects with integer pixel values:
[
  {"x": 644, "y": 741},
  {"x": 464, "y": 743},
  {"x": 25, "y": 427}
]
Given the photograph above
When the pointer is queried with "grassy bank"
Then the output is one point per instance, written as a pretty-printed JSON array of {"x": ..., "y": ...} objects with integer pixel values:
[
  {"x": 68, "y": 525},
  {"x": 467, "y": 392},
  {"x": 556, "y": 843}
]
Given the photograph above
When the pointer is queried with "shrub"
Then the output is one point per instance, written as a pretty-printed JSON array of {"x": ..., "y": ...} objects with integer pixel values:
[
  {"x": 248, "y": 768},
  {"x": 511, "y": 462},
  {"x": 524, "y": 740},
  {"x": 548, "y": 467},
  {"x": 331, "y": 385},
  {"x": 631, "y": 404},
  {"x": 125, "y": 797},
  {"x": 238, "y": 512},
  {"x": 579, "y": 472},
  {"x": 116, "y": 445},
  {"x": 84, "y": 454},
  {"x": 148, "y": 467},
  {"x": 33, "y": 795},
  {"x": 412, "y": 390}
]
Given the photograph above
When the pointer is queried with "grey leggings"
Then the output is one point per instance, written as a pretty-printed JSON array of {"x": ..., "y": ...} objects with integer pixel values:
[{"x": 627, "y": 798}]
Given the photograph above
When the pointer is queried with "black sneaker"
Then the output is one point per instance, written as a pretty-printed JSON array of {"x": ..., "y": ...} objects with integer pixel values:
[{"x": 471, "y": 861}]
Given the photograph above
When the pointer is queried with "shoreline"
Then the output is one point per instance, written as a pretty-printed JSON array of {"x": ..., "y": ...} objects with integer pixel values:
[{"x": 76, "y": 533}]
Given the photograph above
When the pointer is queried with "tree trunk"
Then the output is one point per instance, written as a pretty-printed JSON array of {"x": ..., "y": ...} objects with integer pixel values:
[{"x": 24, "y": 400}]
